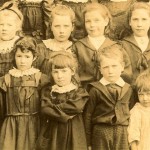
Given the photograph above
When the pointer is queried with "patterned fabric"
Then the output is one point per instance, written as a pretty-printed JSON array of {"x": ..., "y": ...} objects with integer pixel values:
[{"x": 105, "y": 137}]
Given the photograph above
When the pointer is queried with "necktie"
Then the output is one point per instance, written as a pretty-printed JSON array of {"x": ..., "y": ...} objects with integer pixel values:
[{"x": 112, "y": 89}]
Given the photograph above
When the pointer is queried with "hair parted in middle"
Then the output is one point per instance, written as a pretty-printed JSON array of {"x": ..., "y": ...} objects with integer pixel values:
[
  {"x": 104, "y": 12},
  {"x": 62, "y": 10}
]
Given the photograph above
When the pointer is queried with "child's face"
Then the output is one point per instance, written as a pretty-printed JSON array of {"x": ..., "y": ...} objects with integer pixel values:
[
  {"x": 144, "y": 98},
  {"x": 140, "y": 22},
  {"x": 24, "y": 59},
  {"x": 62, "y": 77},
  {"x": 111, "y": 69},
  {"x": 8, "y": 27},
  {"x": 95, "y": 23},
  {"x": 62, "y": 27}
]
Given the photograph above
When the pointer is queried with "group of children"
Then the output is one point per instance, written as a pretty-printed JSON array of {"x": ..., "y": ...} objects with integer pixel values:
[{"x": 60, "y": 95}]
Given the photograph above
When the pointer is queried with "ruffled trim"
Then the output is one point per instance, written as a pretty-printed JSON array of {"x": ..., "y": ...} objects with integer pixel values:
[
  {"x": 19, "y": 73},
  {"x": 53, "y": 45},
  {"x": 7, "y": 46},
  {"x": 63, "y": 89}
]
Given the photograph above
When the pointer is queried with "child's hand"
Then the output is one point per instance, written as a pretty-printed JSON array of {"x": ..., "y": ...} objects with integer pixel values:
[{"x": 89, "y": 148}]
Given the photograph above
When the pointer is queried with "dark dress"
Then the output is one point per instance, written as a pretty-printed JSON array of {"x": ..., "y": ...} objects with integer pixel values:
[
  {"x": 139, "y": 60},
  {"x": 87, "y": 57},
  {"x": 21, "y": 126},
  {"x": 62, "y": 131}
]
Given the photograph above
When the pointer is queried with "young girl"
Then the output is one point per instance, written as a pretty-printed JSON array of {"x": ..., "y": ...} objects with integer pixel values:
[
  {"x": 10, "y": 23},
  {"x": 137, "y": 44},
  {"x": 22, "y": 84},
  {"x": 138, "y": 130},
  {"x": 97, "y": 21},
  {"x": 62, "y": 24},
  {"x": 63, "y": 104}
]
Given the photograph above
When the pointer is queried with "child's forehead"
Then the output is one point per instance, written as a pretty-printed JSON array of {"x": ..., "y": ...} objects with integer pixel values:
[{"x": 141, "y": 10}]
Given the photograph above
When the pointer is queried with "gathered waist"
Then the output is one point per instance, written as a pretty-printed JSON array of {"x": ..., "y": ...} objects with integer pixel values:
[{"x": 22, "y": 114}]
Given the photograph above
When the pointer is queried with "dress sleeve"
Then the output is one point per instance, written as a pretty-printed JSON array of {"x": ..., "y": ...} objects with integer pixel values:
[
  {"x": 75, "y": 103},
  {"x": 3, "y": 86},
  {"x": 87, "y": 115},
  {"x": 45, "y": 80},
  {"x": 134, "y": 125},
  {"x": 53, "y": 111}
]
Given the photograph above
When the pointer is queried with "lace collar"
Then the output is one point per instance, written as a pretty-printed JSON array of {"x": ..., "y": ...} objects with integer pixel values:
[
  {"x": 18, "y": 73},
  {"x": 54, "y": 45},
  {"x": 63, "y": 89},
  {"x": 7, "y": 46}
]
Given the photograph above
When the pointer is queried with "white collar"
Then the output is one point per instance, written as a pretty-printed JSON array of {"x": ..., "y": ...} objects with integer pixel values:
[
  {"x": 141, "y": 38},
  {"x": 7, "y": 46},
  {"x": 63, "y": 89},
  {"x": 54, "y": 45},
  {"x": 97, "y": 41},
  {"x": 19, "y": 73},
  {"x": 120, "y": 82}
]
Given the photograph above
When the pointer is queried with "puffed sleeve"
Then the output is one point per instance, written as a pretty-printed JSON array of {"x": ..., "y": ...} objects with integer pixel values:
[
  {"x": 134, "y": 125},
  {"x": 3, "y": 86},
  {"x": 45, "y": 80},
  {"x": 50, "y": 109}
]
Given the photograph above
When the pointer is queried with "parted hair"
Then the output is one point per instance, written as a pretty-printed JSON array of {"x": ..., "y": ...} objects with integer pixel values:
[{"x": 104, "y": 12}]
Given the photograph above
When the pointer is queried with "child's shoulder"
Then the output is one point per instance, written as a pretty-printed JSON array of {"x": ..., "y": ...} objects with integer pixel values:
[
  {"x": 82, "y": 92},
  {"x": 95, "y": 86}
]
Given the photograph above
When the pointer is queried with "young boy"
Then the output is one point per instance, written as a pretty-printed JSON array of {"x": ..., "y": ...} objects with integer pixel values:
[{"x": 107, "y": 112}]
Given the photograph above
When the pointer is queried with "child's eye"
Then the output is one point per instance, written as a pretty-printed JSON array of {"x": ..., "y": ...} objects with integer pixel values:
[
  {"x": 97, "y": 20},
  {"x": 64, "y": 70},
  {"x": 56, "y": 26},
  {"x": 66, "y": 26},
  {"x": 87, "y": 21},
  {"x": 114, "y": 66},
  {"x": 135, "y": 19}
]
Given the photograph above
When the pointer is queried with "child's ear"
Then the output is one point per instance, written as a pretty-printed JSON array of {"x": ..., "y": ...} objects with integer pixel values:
[
  {"x": 73, "y": 26},
  {"x": 106, "y": 21},
  {"x": 123, "y": 65},
  {"x": 35, "y": 57},
  {"x": 73, "y": 71}
]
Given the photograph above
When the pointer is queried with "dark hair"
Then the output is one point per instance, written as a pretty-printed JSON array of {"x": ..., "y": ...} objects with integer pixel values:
[
  {"x": 25, "y": 44},
  {"x": 62, "y": 59}
]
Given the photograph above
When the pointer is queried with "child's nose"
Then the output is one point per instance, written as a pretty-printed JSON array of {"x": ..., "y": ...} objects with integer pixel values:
[
  {"x": 139, "y": 23},
  {"x": 61, "y": 29},
  {"x": 92, "y": 23},
  {"x": 59, "y": 74}
]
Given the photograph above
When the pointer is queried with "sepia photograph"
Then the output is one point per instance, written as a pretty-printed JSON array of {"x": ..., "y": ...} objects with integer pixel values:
[{"x": 74, "y": 74}]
